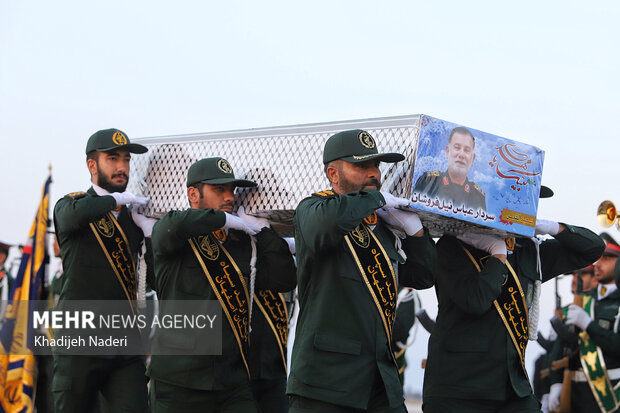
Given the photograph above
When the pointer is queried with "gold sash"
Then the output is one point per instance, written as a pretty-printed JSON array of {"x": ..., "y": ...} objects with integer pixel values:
[
  {"x": 377, "y": 272},
  {"x": 115, "y": 246},
  {"x": 375, "y": 268},
  {"x": 273, "y": 307},
  {"x": 512, "y": 309},
  {"x": 229, "y": 287},
  {"x": 594, "y": 368}
]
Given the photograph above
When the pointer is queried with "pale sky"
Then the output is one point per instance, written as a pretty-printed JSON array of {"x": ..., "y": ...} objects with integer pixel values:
[{"x": 543, "y": 73}]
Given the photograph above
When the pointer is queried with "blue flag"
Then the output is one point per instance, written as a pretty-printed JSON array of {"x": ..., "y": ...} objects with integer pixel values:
[{"x": 17, "y": 363}]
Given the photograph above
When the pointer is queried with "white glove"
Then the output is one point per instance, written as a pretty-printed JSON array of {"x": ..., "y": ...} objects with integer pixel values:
[
  {"x": 578, "y": 316},
  {"x": 125, "y": 198},
  {"x": 393, "y": 202},
  {"x": 544, "y": 403},
  {"x": 233, "y": 222},
  {"x": 493, "y": 244},
  {"x": 253, "y": 221},
  {"x": 544, "y": 227},
  {"x": 554, "y": 396},
  {"x": 408, "y": 221},
  {"x": 145, "y": 223},
  {"x": 291, "y": 244}
]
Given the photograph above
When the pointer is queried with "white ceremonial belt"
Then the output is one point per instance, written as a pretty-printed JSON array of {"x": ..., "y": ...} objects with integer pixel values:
[{"x": 580, "y": 377}]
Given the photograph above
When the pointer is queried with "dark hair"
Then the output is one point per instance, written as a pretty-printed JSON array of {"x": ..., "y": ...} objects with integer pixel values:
[
  {"x": 462, "y": 131},
  {"x": 329, "y": 164},
  {"x": 92, "y": 155},
  {"x": 198, "y": 186}
]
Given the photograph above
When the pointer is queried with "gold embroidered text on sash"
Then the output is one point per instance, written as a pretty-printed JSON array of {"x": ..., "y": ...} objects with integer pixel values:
[
  {"x": 376, "y": 271},
  {"x": 273, "y": 307},
  {"x": 375, "y": 268},
  {"x": 115, "y": 246},
  {"x": 228, "y": 285},
  {"x": 512, "y": 308},
  {"x": 594, "y": 368}
]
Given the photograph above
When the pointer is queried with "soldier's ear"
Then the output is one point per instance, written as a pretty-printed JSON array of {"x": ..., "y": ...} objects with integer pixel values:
[
  {"x": 332, "y": 174},
  {"x": 193, "y": 195},
  {"x": 91, "y": 164}
]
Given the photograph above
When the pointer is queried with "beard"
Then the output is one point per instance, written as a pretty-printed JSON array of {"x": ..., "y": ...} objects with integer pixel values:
[
  {"x": 104, "y": 182},
  {"x": 458, "y": 169},
  {"x": 348, "y": 186}
]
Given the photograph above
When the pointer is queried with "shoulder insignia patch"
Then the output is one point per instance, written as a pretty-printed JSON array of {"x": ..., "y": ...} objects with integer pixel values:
[
  {"x": 76, "y": 195},
  {"x": 328, "y": 193},
  {"x": 433, "y": 173},
  {"x": 604, "y": 324},
  {"x": 478, "y": 189}
]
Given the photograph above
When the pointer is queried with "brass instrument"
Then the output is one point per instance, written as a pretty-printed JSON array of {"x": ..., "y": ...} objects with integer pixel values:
[{"x": 607, "y": 214}]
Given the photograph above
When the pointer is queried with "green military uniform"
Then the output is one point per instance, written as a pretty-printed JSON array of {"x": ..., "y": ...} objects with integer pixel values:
[
  {"x": 88, "y": 275},
  {"x": 472, "y": 361},
  {"x": 540, "y": 385},
  {"x": 403, "y": 321},
  {"x": 604, "y": 333},
  {"x": 206, "y": 383},
  {"x": 341, "y": 355},
  {"x": 438, "y": 184},
  {"x": 268, "y": 360}
]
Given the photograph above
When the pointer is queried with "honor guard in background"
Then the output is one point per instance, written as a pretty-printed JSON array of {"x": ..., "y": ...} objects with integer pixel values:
[
  {"x": 593, "y": 383},
  {"x": 79, "y": 219},
  {"x": 268, "y": 346},
  {"x": 453, "y": 185},
  {"x": 487, "y": 293},
  {"x": 184, "y": 246},
  {"x": 6, "y": 281},
  {"x": 268, "y": 351},
  {"x": 348, "y": 270},
  {"x": 559, "y": 348},
  {"x": 406, "y": 307}
]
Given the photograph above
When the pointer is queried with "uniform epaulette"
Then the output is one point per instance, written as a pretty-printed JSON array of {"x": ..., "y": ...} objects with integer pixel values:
[
  {"x": 478, "y": 189},
  {"x": 328, "y": 193},
  {"x": 433, "y": 173},
  {"x": 76, "y": 195}
]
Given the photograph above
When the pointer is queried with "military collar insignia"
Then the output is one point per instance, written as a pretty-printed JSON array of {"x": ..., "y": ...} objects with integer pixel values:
[
  {"x": 371, "y": 219},
  {"x": 219, "y": 235}
]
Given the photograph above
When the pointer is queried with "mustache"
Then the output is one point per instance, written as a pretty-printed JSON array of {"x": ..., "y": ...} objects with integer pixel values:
[
  {"x": 119, "y": 175},
  {"x": 374, "y": 182},
  {"x": 227, "y": 204}
]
